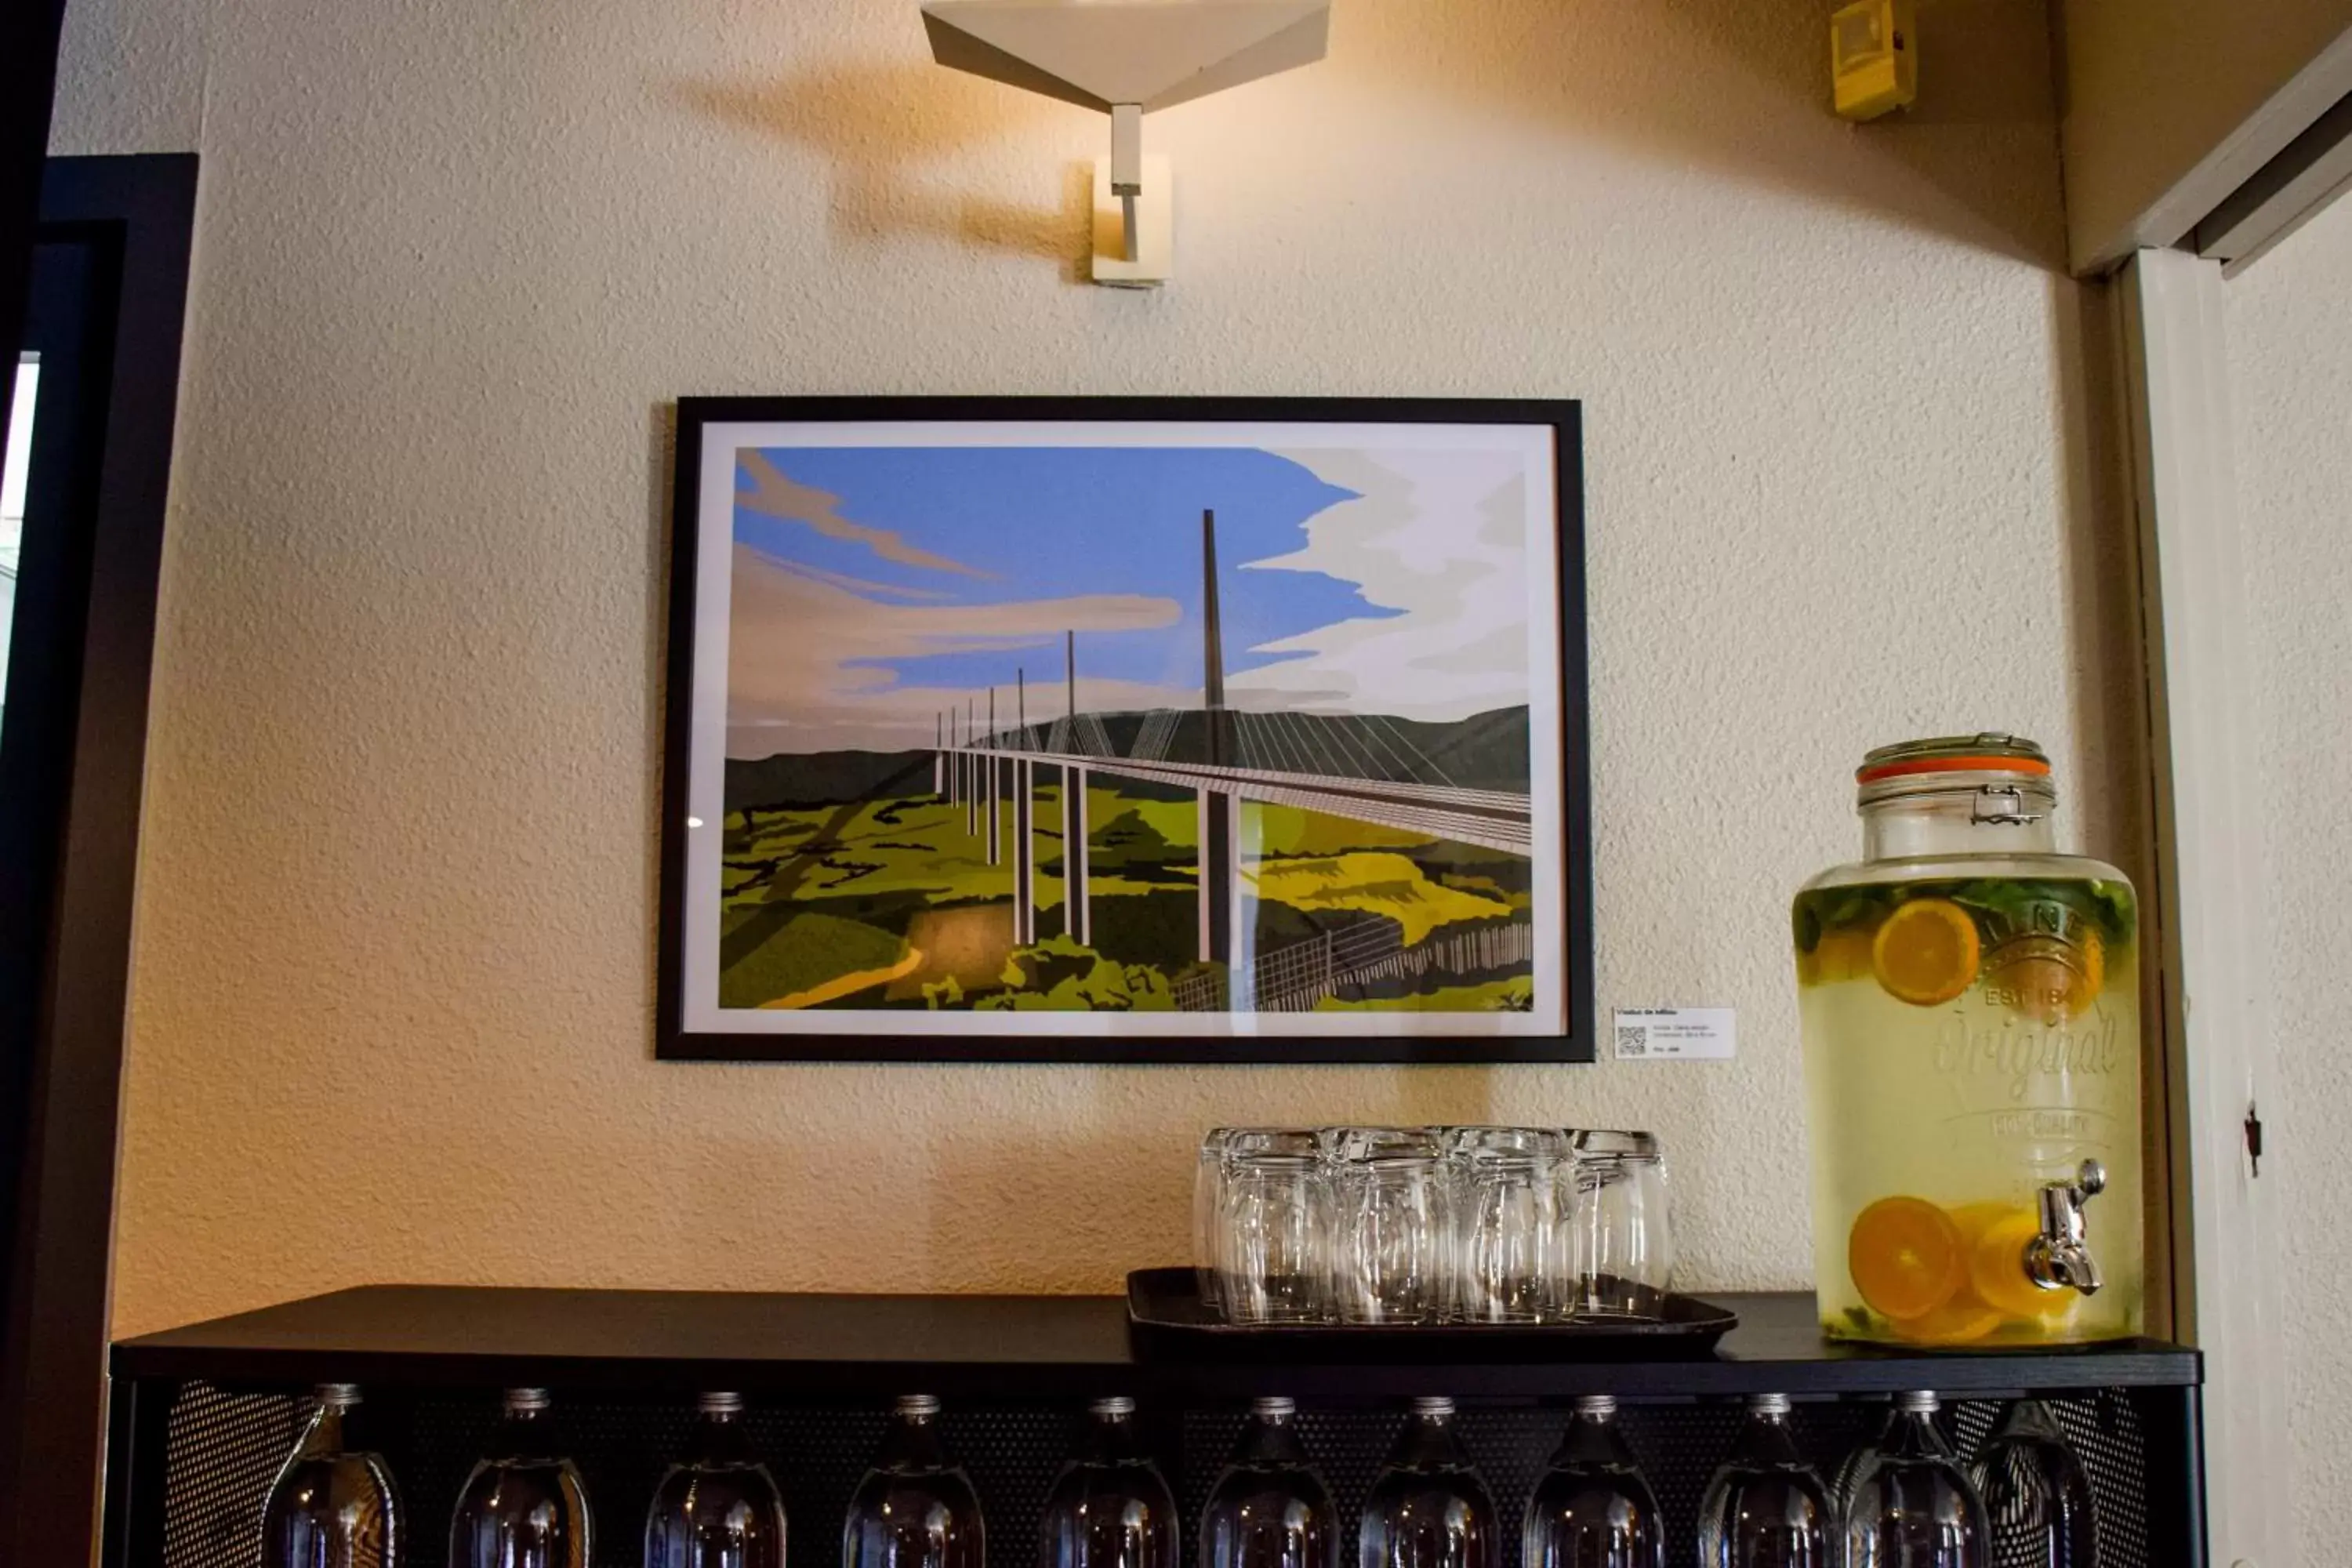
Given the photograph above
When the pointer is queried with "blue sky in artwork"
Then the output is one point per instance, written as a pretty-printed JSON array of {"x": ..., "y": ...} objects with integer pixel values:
[{"x": 1052, "y": 523}]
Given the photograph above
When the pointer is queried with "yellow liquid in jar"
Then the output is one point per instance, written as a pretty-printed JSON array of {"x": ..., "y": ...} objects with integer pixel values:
[{"x": 1968, "y": 1040}]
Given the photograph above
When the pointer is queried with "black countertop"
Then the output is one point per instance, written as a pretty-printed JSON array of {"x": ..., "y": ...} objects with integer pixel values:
[{"x": 847, "y": 1346}]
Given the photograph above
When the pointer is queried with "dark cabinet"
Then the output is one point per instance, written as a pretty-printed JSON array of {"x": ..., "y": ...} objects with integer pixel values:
[{"x": 202, "y": 1415}]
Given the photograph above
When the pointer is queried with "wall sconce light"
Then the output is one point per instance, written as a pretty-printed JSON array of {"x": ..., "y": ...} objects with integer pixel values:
[{"x": 1125, "y": 57}]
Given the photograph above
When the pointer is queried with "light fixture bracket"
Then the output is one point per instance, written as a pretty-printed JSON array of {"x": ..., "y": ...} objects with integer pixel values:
[{"x": 1124, "y": 58}]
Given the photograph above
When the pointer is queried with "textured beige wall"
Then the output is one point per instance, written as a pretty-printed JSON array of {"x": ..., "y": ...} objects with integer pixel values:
[
  {"x": 394, "y": 961},
  {"x": 2154, "y": 88},
  {"x": 2291, "y": 372}
]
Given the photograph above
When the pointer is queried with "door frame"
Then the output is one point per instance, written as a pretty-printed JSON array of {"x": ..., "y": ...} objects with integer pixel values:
[
  {"x": 2211, "y": 850},
  {"x": 140, "y": 213},
  {"x": 30, "y": 31}
]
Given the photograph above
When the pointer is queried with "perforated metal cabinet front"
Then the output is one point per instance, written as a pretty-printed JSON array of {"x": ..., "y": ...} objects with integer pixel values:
[{"x": 224, "y": 1448}]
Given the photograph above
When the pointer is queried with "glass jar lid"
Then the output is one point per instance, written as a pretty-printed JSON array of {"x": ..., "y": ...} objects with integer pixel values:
[{"x": 2009, "y": 771}]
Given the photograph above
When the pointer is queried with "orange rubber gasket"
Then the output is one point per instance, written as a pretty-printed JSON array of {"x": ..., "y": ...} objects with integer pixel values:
[{"x": 1951, "y": 765}]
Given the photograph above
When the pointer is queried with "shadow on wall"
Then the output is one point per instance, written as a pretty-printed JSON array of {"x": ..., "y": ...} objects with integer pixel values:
[
  {"x": 994, "y": 1193},
  {"x": 1742, "y": 88},
  {"x": 2101, "y": 587},
  {"x": 877, "y": 123},
  {"x": 1733, "y": 87}
]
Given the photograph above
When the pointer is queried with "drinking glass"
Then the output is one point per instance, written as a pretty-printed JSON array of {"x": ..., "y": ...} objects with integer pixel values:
[
  {"x": 1110, "y": 1507},
  {"x": 1507, "y": 1207},
  {"x": 525, "y": 1505},
  {"x": 1766, "y": 1507},
  {"x": 1217, "y": 1147},
  {"x": 1347, "y": 1145},
  {"x": 1208, "y": 1208},
  {"x": 717, "y": 1506},
  {"x": 1394, "y": 1262},
  {"x": 1429, "y": 1507},
  {"x": 1296, "y": 1141},
  {"x": 2037, "y": 1496},
  {"x": 333, "y": 1504},
  {"x": 1910, "y": 1505},
  {"x": 1619, "y": 1253},
  {"x": 1271, "y": 1507},
  {"x": 1271, "y": 1251},
  {"x": 1551, "y": 1143},
  {"x": 916, "y": 1507},
  {"x": 1593, "y": 1508}
]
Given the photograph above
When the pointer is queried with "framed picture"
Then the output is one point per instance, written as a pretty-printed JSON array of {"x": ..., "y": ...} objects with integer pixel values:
[{"x": 1125, "y": 730}]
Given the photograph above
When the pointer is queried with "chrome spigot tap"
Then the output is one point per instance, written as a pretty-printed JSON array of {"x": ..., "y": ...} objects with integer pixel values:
[{"x": 2060, "y": 1259}]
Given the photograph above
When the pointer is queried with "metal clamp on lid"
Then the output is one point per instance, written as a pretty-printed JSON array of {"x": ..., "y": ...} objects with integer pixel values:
[{"x": 2004, "y": 805}]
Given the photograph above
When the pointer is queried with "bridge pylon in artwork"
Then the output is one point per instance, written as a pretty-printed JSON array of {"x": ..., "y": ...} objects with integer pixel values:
[{"x": 1271, "y": 756}]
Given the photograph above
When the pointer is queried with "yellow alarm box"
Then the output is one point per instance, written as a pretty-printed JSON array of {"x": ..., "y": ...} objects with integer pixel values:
[{"x": 1874, "y": 58}]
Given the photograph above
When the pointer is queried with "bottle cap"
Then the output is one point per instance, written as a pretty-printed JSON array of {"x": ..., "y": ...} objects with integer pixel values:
[
  {"x": 1919, "y": 1402},
  {"x": 519, "y": 1400},
  {"x": 720, "y": 1405},
  {"x": 1118, "y": 1404},
  {"x": 918, "y": 1404},
  {"x": 338, "y": 1395},
  {"x": 1596, "y": 1405},
  {"x": 1273, "y": 1405},
  {"x": 1434, "y": 1404},
  {"x": 1769, "y": 1403}
]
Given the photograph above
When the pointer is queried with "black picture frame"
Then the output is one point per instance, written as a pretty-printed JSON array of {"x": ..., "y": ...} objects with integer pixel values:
[{"x": 1575, "y": 1043}]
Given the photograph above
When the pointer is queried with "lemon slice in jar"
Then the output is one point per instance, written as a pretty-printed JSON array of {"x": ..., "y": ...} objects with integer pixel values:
[
  {"x": 1906, "y": 1257},
  {"x": 1925, "y": 953},
  {"x": 1996, "y": 1236},
  {"x": 1963, "y": 1320},
  {"x": 2047, "y": 980}
]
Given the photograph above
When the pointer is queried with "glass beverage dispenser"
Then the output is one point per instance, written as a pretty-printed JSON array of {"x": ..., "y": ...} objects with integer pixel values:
[{"x": 1970, "y": 1006}]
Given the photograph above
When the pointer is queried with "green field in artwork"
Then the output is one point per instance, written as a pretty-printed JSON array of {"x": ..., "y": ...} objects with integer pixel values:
[{"x": 892, "y": 902}]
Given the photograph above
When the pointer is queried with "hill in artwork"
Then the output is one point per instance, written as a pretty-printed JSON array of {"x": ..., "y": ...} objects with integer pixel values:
[{"x": 1485, "y": 751}]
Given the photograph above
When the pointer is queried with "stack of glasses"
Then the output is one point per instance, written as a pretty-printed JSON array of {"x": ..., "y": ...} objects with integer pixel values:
[{"x": 1430, "y": 1225}]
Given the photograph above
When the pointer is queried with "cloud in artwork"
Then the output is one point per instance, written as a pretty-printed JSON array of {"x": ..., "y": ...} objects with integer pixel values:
[
  {"x": 787, "y": 501},
  {"x": 808, "y": 660},
  {"x": 1437, "y": 539},
  {"x": 858, "y": 584}
]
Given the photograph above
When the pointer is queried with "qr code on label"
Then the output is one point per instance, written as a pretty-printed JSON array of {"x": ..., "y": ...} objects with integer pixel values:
[{"x": 1633, "y": 1040}]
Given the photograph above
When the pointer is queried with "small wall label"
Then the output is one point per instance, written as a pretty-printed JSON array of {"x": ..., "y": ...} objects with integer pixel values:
[{"x": 1676, "y": 1033}]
